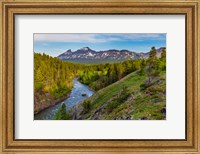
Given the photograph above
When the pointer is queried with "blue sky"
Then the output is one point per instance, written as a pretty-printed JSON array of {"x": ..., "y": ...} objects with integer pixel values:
[{"x": 55, "y": 44}]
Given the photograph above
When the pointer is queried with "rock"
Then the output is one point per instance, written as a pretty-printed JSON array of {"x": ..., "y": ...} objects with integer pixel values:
[
  {"x": 131, "y": 98},
  {"x": 148, "y": 115},
  {"x": 143, "y": 118},
  {"x": 83, "y": 94},
  {"x": 128, "y": 118},
  {"x": 163, "y": 110}
]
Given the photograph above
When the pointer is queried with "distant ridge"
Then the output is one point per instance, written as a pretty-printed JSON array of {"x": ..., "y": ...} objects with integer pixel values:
[{"x": 87, "y": 55}]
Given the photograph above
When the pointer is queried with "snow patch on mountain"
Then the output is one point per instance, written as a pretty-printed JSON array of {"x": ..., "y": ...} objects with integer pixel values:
[{"x": 112, "y": 54}]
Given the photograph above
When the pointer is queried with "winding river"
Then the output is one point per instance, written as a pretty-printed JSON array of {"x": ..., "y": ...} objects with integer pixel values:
[{"x": 74, "y": 98}]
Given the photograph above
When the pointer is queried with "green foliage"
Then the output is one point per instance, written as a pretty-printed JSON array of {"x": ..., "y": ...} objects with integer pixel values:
[
  {"x": 52, "y": 80},
  {"x": 155, "y": 65},
  {"x": 143, "y": 86},
  {"x": 58, "y": 115},
  {"x": 52, "y": 75},
  {"x": 100, "y": 76},
  {"x": 59, "y": 91},
  {"x": 111, "y": 106},
  {"x": 163, "y": 59},
  {"x": 141, "y": 72},
  {"x": 152, "y": 55},
  {"x": 38, "y": 80},
  {"x": 87, "y": 106},
  {"x": 62, "y": 114},
  {"x": 163, "y": 54},
  {"x": 124, "y": 94},
  {"x": 55, "y": 76}
]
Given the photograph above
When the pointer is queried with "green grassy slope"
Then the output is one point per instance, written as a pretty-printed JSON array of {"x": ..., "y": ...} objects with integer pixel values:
[{"x": 126, "y": 99}]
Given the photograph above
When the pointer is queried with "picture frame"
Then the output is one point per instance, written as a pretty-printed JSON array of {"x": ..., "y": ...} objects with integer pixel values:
[{"x": 47, "y": 7}]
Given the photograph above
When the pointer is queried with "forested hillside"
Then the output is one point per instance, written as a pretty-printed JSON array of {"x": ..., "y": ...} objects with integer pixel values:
[
  {"x": 53, "y": 77},
  {"x": 102, "y": 75},
  {"x": 52, "y": 80}
]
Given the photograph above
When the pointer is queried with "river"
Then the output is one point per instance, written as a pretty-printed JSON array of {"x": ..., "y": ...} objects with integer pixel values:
[{"x": 74, "y": 98}]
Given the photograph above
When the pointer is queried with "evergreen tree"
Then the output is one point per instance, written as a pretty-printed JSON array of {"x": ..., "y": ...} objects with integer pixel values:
[
  {"x": 62, "y": 114},
  {"x": 163, "y": 59},
  {"x": 163, "y": 54},
  {"x": 38, "y": 79},
  {"x": 58, "y": 115},
  {"x": 152, "y": 56},
  {"x": 142, "y": 67},
  {"x": 151, "y": 68}
]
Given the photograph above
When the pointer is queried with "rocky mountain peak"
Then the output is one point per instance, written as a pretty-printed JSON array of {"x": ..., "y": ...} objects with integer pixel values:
[
  {"x": 85, "y": 48},
  {"x": 69, "y": 51},
  {"x": 86, "y": 53}
]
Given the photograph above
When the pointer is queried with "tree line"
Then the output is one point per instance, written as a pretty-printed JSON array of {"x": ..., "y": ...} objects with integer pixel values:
[{"x": 52, "y": 75}]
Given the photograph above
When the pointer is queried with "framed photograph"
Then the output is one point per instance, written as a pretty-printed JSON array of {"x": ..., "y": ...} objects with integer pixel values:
[{"x": 99, "y": 76}]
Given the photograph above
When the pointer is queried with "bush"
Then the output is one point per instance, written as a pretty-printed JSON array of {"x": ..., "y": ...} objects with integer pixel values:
[
  {"x": 141, "y": 72},
  {"x": 87, "y": 106},
  {"x": 112, "y": 105},
  {"x": 155, "y": 90},
  {"x": 62, "y": 114},
  {"x": 144, "y": 86},
  {"x": 123, "y": 95},
  {"x": 59, "y": 92},
  {"x": 38, "y": 86}
]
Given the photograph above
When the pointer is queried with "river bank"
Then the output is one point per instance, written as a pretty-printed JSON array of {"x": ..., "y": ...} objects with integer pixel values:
[
  {"x": 74, "y": 98},
  {"x": 52, "y": 103}
]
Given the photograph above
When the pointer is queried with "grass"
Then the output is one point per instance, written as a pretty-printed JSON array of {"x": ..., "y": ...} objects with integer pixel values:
[
  {"x": 132, "y": 81},
  {"x": 145, "y": 103}
]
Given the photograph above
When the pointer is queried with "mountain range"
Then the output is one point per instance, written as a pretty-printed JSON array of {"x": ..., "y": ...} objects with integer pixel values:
[{"x": 87, "y": 55}]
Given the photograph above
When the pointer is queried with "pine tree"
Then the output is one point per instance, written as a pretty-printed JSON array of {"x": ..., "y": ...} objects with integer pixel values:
[
  {"x": 58, "y": 115},
  {"x": 163, "y": 59},
  {"x": 151, "y": 68},
  {"x": 163, "y": 54},
  {"x": 38, "y": 79},
  {"x": 63, "y": 112},
  {"x": 142, "y": 67},
  {"x": 152, "y": 56}
]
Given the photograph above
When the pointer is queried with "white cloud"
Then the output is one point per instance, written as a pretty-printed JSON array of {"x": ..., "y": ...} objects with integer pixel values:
[
  {"x": 68, "y": 38},
  {"x": 145, "y": 36},
  {"x": 95, "y": 38}
]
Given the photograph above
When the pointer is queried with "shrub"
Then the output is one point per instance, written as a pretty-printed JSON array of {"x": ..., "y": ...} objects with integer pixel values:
[
  {"x": 60, "y": 91},
  {"x": 123, "y": 95},
  {"x": 143, "y": 86},
  {"x": 38, "y": 86},
  {"x": 155, "y": 90},
  {"x": 87, "y": 106},
  {"x": 141, "y": 72},
  {"x": 62, "y": 114},
  {"x": 112, "y": 105}
]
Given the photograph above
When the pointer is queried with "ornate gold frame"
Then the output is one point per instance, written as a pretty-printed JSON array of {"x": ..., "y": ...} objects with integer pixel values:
[{"x": 9, "y": 8}]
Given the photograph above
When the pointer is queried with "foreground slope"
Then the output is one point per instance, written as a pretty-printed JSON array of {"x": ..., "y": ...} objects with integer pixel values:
[{"x": 130, "y": 98}]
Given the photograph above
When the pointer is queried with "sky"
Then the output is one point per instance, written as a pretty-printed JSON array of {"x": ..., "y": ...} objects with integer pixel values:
[{"x": 56, "y": 44}]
